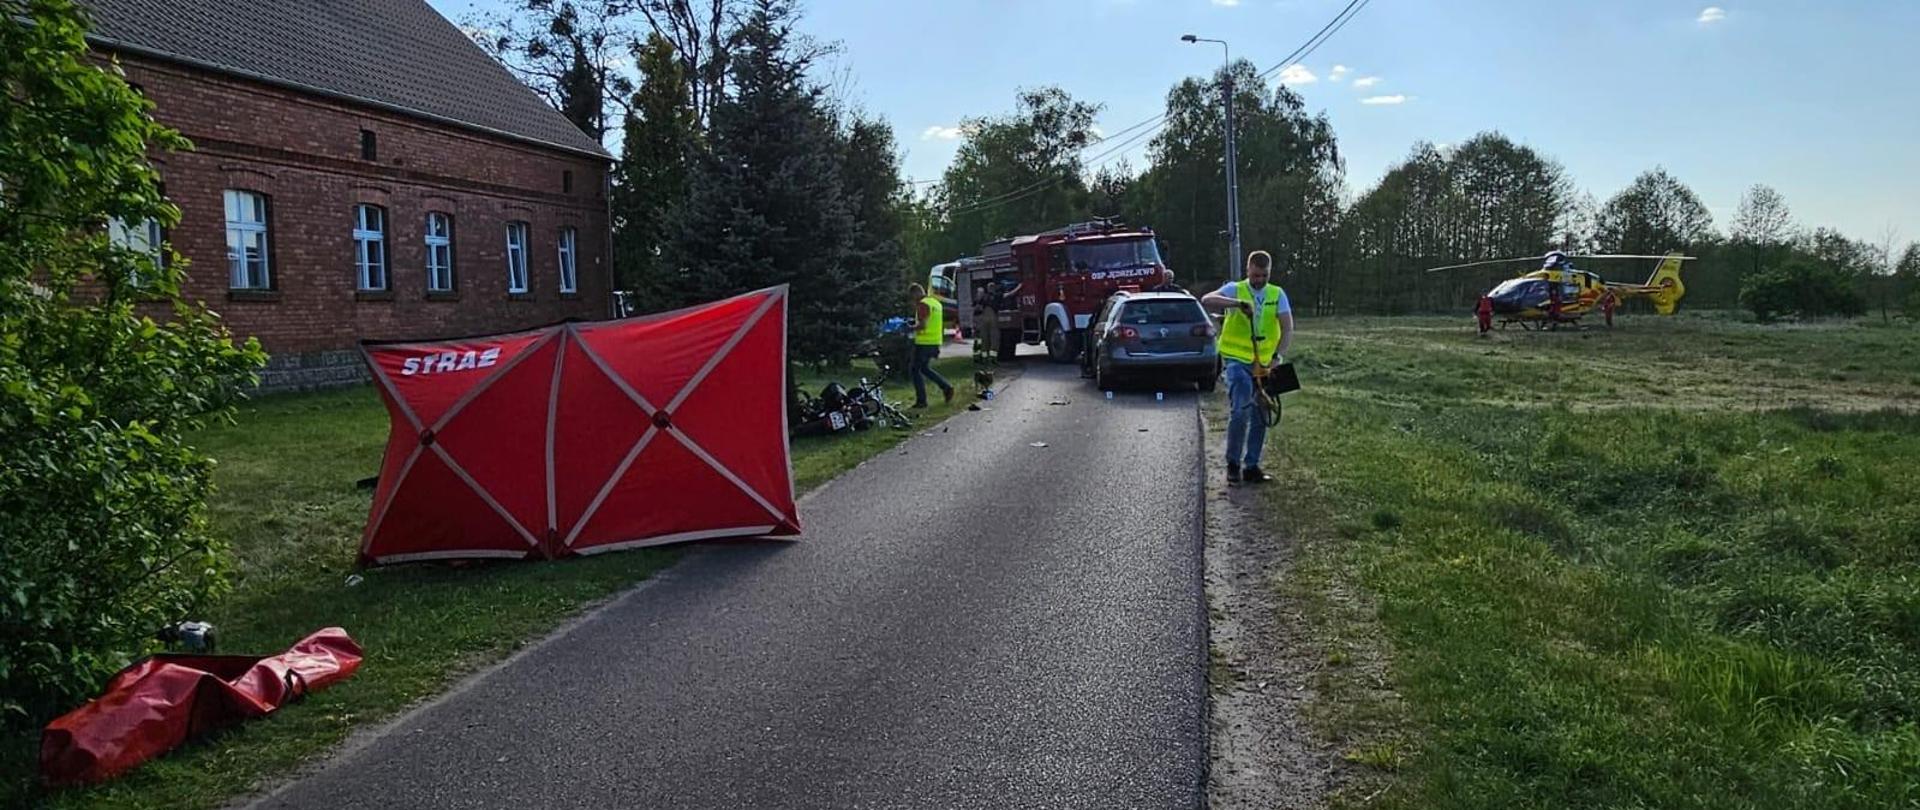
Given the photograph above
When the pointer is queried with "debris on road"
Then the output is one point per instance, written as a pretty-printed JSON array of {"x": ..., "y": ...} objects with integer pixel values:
[{"x": 1038, "y": 444}]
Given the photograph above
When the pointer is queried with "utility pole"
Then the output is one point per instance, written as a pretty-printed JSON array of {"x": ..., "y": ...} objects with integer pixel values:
[{"x": 1235, "y": 261}]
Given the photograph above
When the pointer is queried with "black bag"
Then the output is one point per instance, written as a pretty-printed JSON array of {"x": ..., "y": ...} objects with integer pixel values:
[{"x": 1281, "y": 379}]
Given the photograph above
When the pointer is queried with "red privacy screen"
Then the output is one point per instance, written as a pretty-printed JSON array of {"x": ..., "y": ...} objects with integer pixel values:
[{"x": 586, "y": 437}]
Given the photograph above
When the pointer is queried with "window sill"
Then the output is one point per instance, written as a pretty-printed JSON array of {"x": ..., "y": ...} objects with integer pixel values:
[
  {"x": 373, "y": 295},
  {"x": 261, "y": 296},
  {"x": 525, "y": 296},
  {"x": 443, "y": 295}
]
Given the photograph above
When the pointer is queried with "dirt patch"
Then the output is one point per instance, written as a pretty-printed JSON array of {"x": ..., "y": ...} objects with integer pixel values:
[{"x": 1263, "y": 662}]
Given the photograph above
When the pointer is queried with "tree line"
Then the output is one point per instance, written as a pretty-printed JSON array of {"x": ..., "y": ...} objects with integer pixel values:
[
  {"x": 1488, "y": 197},
  {"x": 709, "y": 201}
]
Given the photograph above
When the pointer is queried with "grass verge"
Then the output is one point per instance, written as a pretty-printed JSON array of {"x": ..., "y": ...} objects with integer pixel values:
[
  {"x": 287, "y": 503},
  {"x": 1691, "y": 586}
]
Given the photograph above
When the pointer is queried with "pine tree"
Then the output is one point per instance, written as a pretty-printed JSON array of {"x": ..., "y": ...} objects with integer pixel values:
[
  {"x": 767, "y": 205},
  {"x": 579, "y": 95},
  {"x": 659, "y": 138}
]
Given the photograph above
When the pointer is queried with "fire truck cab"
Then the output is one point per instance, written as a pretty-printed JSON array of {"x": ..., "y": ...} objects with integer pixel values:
[{"x": 1062, "y": 276}]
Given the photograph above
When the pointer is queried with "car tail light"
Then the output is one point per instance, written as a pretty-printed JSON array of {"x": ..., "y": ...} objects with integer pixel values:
[
  {"x": 1123, "y": 333},
  {"x": 1203, "y": 330}
]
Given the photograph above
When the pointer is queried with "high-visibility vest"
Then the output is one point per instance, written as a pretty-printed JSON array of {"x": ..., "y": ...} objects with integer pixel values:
[
  {"x": 932, "y": 331},
  {"x": 1236, "y": 334}
]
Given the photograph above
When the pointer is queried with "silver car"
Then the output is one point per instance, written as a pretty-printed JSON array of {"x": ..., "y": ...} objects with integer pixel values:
[{"x": 1163, "y": 335}]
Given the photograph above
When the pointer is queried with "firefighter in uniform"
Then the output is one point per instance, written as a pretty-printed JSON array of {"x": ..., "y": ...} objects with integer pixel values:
[
  {"x": 1253, "y": 307},
  {"x": 929, "y": 333}
]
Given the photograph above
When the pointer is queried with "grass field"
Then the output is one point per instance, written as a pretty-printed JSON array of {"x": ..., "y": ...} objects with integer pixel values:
[
  {"x": 1672, "y": 565},
  {"x": 288, "y": 504}
]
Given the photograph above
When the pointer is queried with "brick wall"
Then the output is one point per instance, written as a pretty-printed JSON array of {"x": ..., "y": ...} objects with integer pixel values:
[{"x": 304, "y": 153}]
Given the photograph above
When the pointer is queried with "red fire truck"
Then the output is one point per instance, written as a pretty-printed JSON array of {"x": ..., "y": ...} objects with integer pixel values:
[{"x": 1063, "y": 276}]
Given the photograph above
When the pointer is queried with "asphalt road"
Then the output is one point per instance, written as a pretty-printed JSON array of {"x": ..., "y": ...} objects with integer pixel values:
[{"x": 969, "y": 621}]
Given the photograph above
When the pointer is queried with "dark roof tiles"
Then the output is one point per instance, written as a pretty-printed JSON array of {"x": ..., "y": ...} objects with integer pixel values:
[{"x": 393, "y": 53}]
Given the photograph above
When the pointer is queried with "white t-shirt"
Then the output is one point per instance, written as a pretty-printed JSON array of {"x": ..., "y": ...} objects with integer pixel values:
[{"x": 1231, "y": 290}]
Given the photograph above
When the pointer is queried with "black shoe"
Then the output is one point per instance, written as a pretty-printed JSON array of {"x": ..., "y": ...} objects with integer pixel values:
[
  {"x": 1233, "y": 473},
  {"x": 1255, "y": 475},
  {"x": 917, "y": 406},
  {"x": 949, "y": 396}
]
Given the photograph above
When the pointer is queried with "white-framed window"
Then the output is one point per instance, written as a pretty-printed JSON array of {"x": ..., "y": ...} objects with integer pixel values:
[
  {"x": 143, "y": 238},
  {"x": 569, "y": 280},
  {"x": 370, "y": 246},
  {"x": 516, "y": 257},
  {"x": 248, "y": 265},
  {"x": 439, "y": 252}
]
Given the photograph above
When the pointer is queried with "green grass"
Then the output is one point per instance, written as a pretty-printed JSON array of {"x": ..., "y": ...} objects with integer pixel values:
[
  {"x": 287, "y": 503},
  {"x": 1667, "y": 566}
]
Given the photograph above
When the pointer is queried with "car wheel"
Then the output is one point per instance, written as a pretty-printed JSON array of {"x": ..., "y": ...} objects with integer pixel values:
[
  {"x": 1059, "y": 343},
  {"x": 1208, "y": 384},
  {"x": 1102, "y": 378}
]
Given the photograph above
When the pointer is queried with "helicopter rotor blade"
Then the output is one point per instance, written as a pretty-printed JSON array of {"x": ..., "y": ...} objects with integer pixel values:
[
  {"x": 1483, "y": 264},
  {"x": 1626, "y": 256}
]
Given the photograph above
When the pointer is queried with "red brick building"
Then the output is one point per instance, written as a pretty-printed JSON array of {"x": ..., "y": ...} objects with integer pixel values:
[{"x": 361, "y": 170}]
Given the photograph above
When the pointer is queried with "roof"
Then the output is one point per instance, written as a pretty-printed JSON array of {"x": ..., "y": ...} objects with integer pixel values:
[{"x": 399, "y": 55}]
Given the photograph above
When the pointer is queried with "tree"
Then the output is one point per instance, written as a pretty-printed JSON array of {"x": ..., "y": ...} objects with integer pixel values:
[
  {"x": 1836, "y": 251},
  {"x": 1018, "y": 173},
  {"x": 870, "y": 178},
  {"x": 1763, "y": 231},
  {"x": 103, "y": 534},
  {"x": 1907, "y": 272},
  {"x": 767, "y": 202},
  {"x": 1112, "y": 191},
  {"x": 1801, "y": 287},
  {"x": 567, "y": 51},
  {"x": 1577, "y": 224},
  {"x": 1488, "y": 198},
  {"x": 702, "y": 35},
  {"x": 659, "y": 139},
  {"x": 1655, "y": 214},
  {"x": 1763, "y": 219},
  {"x": 1289, "y": 180}
]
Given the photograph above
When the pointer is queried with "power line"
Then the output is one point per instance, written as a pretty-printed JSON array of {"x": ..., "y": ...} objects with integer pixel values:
[{"x": 1339, "y": 21}]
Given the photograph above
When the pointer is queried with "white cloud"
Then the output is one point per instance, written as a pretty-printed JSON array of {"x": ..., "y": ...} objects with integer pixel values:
[
  {"x": 937, "y": 132},
  {"x": 1711, "y": 15},
  {"x": 1386, "y": 100},
  {"x": 1097, "y": 132},
  {"x": 1339, "y": 72},
  {"x": 1226, "y": 3},
  {"x": 1297, "y": 74},
  {"x": 1365, "y": 82}
]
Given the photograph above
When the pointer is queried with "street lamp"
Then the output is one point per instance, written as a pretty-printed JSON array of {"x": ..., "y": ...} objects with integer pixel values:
[{"x": 1234, "y": 259}]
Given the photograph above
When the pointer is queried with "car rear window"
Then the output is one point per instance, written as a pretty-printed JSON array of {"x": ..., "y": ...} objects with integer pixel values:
[{"x": 1149, "y": 313}]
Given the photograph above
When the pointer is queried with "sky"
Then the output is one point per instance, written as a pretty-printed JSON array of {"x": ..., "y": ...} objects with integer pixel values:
[{"x": 1816, "y": 98}]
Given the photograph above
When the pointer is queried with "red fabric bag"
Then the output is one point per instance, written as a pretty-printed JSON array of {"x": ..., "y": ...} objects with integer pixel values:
[
  {"x": 158, "y": 703},
  {"x": 582, "y": 438}
]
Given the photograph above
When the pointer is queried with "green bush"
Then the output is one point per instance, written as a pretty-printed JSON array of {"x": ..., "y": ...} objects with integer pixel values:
[
  {"x": 103, "y": 537},
  {"x": 1801, "y": 287}
]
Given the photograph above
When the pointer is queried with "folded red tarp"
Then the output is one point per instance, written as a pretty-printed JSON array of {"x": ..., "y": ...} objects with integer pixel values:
[
  {"x": 586, "y": 437},
  {"x": 160, "y": 702}
]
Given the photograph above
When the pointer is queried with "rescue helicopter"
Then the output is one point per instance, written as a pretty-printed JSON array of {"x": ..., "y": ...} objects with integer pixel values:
[{"x": 1560, "y": 294}]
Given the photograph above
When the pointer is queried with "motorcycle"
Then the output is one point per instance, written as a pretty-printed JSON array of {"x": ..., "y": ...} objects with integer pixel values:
[{"x": 838, "y": 409}]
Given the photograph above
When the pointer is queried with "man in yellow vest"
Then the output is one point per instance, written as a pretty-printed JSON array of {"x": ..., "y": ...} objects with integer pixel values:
[
  {"x": 1253, "y": 307},
  {"x": 929, "y": 332}
]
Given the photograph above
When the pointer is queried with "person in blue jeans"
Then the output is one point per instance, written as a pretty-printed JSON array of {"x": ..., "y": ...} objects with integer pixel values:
[
  {"x": 1254, "y": 307},
  {"x": 929, "y": 333}
]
